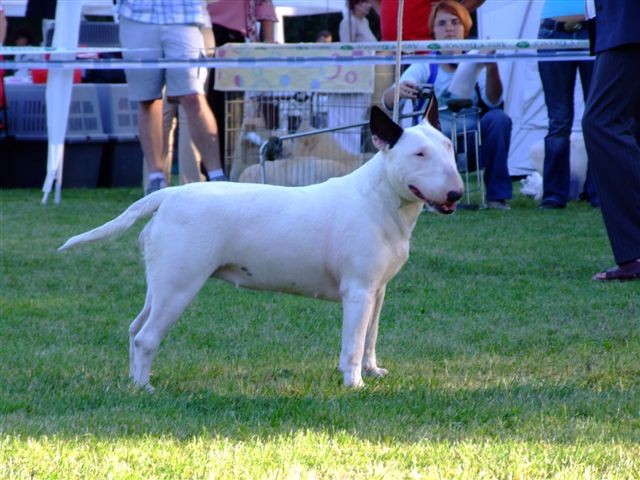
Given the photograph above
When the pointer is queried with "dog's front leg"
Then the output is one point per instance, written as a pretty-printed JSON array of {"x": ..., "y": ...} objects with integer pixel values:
[
  {"x": 369, "y": 361},
  {"x": 357, "y": 308}
]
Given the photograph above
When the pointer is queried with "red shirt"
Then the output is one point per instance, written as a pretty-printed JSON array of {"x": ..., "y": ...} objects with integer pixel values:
[{"x": 415, "y": 20}]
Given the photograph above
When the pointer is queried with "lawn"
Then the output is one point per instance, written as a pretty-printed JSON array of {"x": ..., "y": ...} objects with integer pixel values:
[{"x": 505, "y": 359}]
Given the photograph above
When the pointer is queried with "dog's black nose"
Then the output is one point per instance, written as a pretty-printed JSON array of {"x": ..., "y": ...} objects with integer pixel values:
[{"x": 454, "y": 196}]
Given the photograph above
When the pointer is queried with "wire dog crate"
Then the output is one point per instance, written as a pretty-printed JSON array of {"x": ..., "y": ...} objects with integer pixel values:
[{"x": 251, "y": 119}]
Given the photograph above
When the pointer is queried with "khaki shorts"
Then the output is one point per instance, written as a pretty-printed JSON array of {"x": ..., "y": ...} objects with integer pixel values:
[{"x": 162, "y": 41}]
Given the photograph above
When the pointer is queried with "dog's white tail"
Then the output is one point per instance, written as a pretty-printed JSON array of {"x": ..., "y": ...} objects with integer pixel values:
[{"x": 143, "y": 207}]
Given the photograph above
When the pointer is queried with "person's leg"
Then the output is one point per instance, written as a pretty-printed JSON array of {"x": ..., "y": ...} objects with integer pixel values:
[
  {"x": 494, "y": 153},
  {"x": 216, "y": 98},
  {"x": 188, "y": 156},
  {"x": 203, "y": 129},
  {"x": 558, "y": 83},
  {"x": 186, "y": 42},
  {"x": 169, "y": 128},
  {"x": 586, "y": 72},
  {"x": 142, "y": 42},
  {"x": 151, "y": 134},
  {"x": 610, "y": 126},
  {"x": 169, "y": 124}
]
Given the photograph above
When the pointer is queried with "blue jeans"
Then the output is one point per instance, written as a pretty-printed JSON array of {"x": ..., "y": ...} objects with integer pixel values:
[
  {"x": 494, "y": 154},
  {"x": 558, "y": 82}
]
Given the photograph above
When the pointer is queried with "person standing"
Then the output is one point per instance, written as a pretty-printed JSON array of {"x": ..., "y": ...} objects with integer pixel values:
[
  {"x": 351, "y": 108},
  {"x": 611, "y": 127},
  {"x": 354, "y": 26},
  {"x": 170, "y": 30},
  {"x": 237, "y": 21},
  {"x": 564, "y": 20}
]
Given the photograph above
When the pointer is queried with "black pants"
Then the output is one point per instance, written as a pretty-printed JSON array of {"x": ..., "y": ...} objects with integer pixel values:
[
  {"x": 216, "y": 98},
  {"x": 611, "y": 128}
]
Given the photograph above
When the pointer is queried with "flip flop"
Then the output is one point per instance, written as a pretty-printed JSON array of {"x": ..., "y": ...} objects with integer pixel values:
[{"x": 627, "y": 271}]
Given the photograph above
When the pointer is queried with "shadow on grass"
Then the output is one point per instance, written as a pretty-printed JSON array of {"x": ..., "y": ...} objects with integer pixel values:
[{"x": 557, "y": 414}]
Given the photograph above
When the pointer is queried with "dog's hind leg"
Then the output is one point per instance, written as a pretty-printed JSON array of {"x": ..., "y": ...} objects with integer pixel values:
[
  {"x": 168, "y": 299},
  {"x": 369, "y": 360},
  {"x": 135, "y": 327},
  {"x": 357, "y": 308}
]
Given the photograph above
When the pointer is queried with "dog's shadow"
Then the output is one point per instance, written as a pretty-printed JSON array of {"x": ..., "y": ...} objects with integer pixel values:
[{"x": 406, "y": 409}]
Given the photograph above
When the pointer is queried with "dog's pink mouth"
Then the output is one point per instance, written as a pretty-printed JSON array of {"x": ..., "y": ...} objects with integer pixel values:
[{"x": 445, "y": 208}]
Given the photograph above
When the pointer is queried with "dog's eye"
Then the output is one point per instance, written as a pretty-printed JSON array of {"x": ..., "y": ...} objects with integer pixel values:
[{"x": 420, "y": 154}]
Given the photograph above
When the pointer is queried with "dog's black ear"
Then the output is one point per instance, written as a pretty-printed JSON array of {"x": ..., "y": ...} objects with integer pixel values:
[
  {"x": 385, "y": 131},
  {"x": 431, "y": 113}
]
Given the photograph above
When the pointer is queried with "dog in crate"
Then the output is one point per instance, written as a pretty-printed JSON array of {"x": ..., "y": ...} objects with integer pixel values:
[
  {"x": 246, "y": 152},
  {"x": 295, "y": 171},
  {"x": 305, "y": 160},
  {"x": 342, "y": 240},
  {"x": 577, "y": 162},
  {"x": 298, "y": 170}
]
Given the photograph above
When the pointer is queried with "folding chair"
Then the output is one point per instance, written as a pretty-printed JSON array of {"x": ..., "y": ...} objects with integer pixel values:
[{"x": 464, "y": 139}]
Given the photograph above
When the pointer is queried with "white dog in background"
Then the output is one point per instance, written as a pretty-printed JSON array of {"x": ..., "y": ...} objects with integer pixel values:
[
  {"x": 532, "y": 185},
  {"x": 341, "y": 240}
]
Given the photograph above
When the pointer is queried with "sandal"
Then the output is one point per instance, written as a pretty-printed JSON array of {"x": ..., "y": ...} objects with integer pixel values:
[{"x": 626, "y": 271}]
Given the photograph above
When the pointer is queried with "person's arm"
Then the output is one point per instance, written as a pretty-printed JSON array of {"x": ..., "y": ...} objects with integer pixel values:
[
  {"x": 471, "y": 5},
  {"x": 494, "y": 83},
  {"x": 344, "y": 29},
  {"x": 268, "y": 31},
  {"x": 3, "y": 26},
  {"x": 266, "y": 15},
  {"x": 408, "y": 86}
]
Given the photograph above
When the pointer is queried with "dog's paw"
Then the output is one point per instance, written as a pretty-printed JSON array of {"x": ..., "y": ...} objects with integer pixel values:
[
  {"x": 149, "y": 388},
  {"x": 146, "y": 387},
  {"x": 356, "y": 384},
  {"x": 375, "y": 372},
  {"x": 353, "y": 381}
]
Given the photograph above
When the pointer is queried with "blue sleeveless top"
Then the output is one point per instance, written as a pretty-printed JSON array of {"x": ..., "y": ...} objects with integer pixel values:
[{"x": 559, "y": 8}]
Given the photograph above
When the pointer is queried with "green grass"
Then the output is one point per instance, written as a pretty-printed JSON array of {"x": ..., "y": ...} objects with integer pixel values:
[{"x": 505, "y": 359}]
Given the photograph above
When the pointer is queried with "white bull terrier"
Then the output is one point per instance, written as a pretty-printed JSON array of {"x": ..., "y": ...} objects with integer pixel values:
[{"x": 341, "y": 240}]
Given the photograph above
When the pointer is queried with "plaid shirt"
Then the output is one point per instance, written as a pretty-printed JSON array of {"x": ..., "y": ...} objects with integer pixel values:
[{"x": 164, "y": 12}]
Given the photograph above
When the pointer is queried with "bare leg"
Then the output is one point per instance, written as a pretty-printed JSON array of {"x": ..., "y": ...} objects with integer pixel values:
[
  {"x": 151, "y": 134},
  {"x": 188, "y": 155},
  {"x": 203, "y": 128},
  {"x": 169, "y": 124}
]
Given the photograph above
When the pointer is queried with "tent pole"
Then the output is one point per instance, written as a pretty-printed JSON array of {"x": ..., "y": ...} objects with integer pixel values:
[
  {"x": 396, "y": 92},
  {"x": 58, "y": 93}
]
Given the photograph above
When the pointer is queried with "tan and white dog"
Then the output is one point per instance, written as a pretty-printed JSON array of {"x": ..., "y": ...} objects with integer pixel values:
[{"x": 341, "y": 240}]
